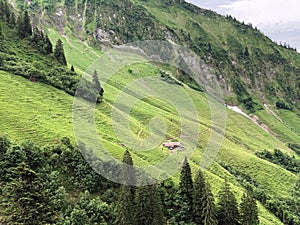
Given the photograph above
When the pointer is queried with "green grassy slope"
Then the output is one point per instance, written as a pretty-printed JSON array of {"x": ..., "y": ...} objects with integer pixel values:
[
  {"x": 50, "y": 118},
  {"x": 32, "y": 110}
]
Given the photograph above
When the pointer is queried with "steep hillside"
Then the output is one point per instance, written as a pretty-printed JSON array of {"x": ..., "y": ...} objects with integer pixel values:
[{"x": 251, "y": 68}]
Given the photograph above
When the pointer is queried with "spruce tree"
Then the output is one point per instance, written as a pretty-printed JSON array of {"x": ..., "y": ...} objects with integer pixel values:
[
  {"x": 228, "y": 213},
  {"x": 96, "y": 83},
  {"x": 6, "y": 11},
  {"x": 47, "y": 45},
  {"x": 97, "y": 87},
  {"x": 186, "y": 191},
  {"x": 59, "y": 53},
  {"x": 125, "y": 205},
  {"x": 169, "y": 198},
  {"x": 248, "y": 209},
  {"x": 209, "y": 207},
  {"x": 199, "y": 191},
  {"x": 147, "y": 206},
  {"x": 20, "y": 26},
  {"x": 72, "y": 68},
  {"x": 36, "y": 38},
  {"x": 204, "y": 206},
  {"x": 27, "y": 25}
]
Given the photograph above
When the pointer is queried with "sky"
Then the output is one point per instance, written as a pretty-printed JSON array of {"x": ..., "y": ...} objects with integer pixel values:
[{"x": 278, "y": 19}]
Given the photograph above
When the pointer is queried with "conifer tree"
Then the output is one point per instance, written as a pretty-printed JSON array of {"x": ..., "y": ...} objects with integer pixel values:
[
  {"x": 228, "y": 213},
  {"x": 204, "y": 206},
  {"x": 158, "y": 216},
  {"x": 37, "y": 38},
  {"x": 126, "y": 200},
  {"x": 27, "y": 25},
  {"x": 6, "y": 11},
  {"x": 20, "y": 26},
  {"x": 96, "y": 82},
  {"x": 248, "y": 209},
  {"x": 209, "y": 207},
  {"x": 199, "y": 191},
  {"x": 59, "y": 53},
  {"x": 24, "y": 25},
  {"x": 186, "y": 190},
  {"x": 169, "y": 195},
  {"x": 147, "y": 206},
  {"x": 97, "y": 86},
  {"x": 48, "y": 45},
  {"x": 72, "y": 68}
]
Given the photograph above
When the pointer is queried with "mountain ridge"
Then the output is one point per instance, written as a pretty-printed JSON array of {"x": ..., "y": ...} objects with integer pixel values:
[{"x": 243, "y": 59}]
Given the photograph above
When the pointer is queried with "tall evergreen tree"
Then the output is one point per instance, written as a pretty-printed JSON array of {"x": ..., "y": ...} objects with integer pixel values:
[
  {"x": 186, "y": 190},
  {"x": 209, "y": 207},
  {"x": 168, "y": 193},
  {"x": 97, "y": 87},
  {"x": 59, "y": 53},
  {"x": 228, "y": 213},
  {"x": 126, "y": 200},
  {"x": 6, "y": 11},
  {"x": 20, "y": 26},
  {"x": 37, "y": 37},
  {"x": 24, "y": 25},
  {"x": 96, "y": 83},
  {"x": 27, "y": 24},
  {"x": 204, "y": 207},
  {"x": 47, "y": 45},
  {"x": 41, "y": 41},
  {"x": 199, "y": 189},
  {"x": 248, "y": 209},
  {"x": 148, "y": 207}
]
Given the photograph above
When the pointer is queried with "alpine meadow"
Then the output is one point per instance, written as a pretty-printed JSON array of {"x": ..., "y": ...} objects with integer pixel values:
[{"x": 145, "y": 112}]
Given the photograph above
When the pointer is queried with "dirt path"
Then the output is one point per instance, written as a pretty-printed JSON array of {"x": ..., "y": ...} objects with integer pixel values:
[
  {"x": 91, "y": 49},
  {"x": 272, "y": 113},
  {"x": 141, "y": 130}
]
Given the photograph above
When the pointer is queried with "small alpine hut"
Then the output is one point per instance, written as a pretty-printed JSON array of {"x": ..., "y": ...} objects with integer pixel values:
[{"x": 172, "y": 145}]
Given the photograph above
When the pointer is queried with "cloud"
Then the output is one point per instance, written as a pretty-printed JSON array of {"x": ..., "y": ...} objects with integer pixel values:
[
  {"x": 209, "y": 4},
  {"x": 264, "y": 12},
  {"x": 278, "y": 19}
]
